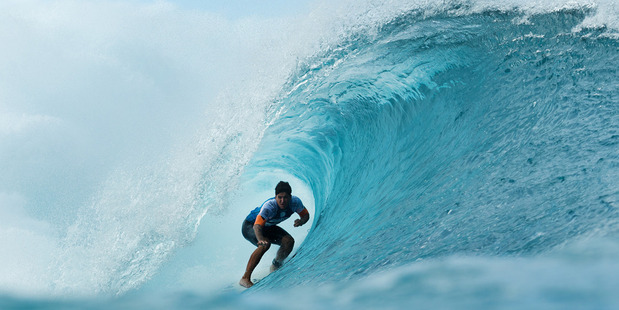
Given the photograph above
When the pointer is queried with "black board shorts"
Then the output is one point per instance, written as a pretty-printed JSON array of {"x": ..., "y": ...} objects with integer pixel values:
[{"x": 273, "y": 233}]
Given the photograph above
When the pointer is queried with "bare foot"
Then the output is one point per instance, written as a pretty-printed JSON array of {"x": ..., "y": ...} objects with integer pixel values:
[
  {"x": 273, "y": 268},
  {"x": 246, "y": 283}
]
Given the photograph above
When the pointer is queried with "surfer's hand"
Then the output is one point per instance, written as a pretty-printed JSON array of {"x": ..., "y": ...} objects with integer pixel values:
[{"x": 297, "y": 223}]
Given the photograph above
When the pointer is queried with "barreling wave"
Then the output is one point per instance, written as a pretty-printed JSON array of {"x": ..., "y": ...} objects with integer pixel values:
[{"x": 487, "y": 132}]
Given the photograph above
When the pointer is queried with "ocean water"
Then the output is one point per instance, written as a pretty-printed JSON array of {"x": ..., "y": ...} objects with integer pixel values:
[{"x": 452, "y": 154}]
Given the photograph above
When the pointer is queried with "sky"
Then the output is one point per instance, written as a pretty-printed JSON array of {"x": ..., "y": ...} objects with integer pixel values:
[{"x": 235, "y": 9}]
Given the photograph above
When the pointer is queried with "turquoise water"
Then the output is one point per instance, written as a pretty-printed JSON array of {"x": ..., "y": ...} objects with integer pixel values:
[{"x": 453, "y": 154}]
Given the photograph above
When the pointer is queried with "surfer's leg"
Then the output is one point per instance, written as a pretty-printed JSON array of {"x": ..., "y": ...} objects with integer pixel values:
[
  {"x": 249, "y": 234},
  {"x": 254, "y": 259},
  {"x": 285, "y": 248},
  {"x": 247, "y": 229},
  {"x": 286, "y": 243}
]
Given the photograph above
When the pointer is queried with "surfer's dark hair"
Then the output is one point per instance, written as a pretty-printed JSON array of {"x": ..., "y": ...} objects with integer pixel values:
[{"x": 283, "y": 187}]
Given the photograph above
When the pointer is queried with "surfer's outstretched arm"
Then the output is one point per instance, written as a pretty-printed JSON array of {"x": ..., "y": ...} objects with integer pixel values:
[{"x": 304, "y": 218}]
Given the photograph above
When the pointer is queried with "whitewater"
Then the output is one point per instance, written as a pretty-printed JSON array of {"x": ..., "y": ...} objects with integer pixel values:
[{"x": 452, "y": 154}]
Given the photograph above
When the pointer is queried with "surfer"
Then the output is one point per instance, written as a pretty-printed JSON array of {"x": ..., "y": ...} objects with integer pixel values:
[{"x": 260, "y": 228}]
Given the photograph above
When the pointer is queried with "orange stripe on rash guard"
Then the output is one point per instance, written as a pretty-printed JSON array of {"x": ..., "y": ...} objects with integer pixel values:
[
  {"x": 303, "y": 212},
  {"x": 259, "y": 220}
]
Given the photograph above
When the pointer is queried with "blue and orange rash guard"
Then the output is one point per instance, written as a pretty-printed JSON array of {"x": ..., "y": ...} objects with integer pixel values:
[{"x": 269, "y": 213}]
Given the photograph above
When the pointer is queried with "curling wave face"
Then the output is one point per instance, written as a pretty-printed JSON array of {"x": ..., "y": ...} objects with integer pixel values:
[{"x": 493, "y": 133}]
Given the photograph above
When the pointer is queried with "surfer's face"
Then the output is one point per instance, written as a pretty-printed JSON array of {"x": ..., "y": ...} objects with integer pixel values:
[{"x": 283, "y": 199}]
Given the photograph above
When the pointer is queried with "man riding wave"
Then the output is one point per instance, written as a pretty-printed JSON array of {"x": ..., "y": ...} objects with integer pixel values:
[{"x": 260, "y": 228}]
